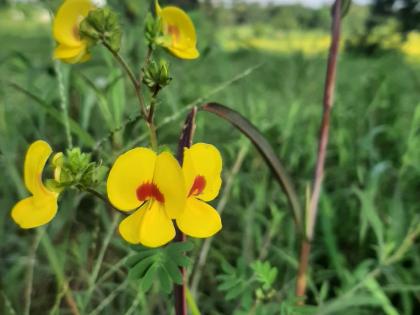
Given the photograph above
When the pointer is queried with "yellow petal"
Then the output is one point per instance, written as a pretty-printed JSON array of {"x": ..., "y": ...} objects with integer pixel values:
[
  {"x": 36, "y": 157},
  {"x": 65, "y": 52},
  {"x": 35, "y": 211},
  {"x": 203, "y": 160},
  {"x": 170, "y": 181},
  {"x": 130, "y": 227},
  {"x": 192, "y": 53},
  {"x": 67, "y": 20},
  {"x": 156, "y": 227},
  {"x": 129, "y": 171},
  {"x": 177, "y": 24},
  {"x": 199, "y": 219},
  {"x": 83, "y": 57},
  {"x": 57, "y": 161}
]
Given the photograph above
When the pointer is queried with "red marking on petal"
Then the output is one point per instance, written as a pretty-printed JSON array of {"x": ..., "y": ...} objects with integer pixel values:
[
  {"x": 198, "y": 186},
  {"x": 149, "y": 191},
  {"x": 173, "y": 30}
]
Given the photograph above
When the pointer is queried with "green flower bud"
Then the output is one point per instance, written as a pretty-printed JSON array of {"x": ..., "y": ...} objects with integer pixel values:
[
  {"x": 156, "y": 75},
  {"x": 76, "y": 170},
  {"x": 153, "y": 30},
  {"x": 102, "y": 25}
]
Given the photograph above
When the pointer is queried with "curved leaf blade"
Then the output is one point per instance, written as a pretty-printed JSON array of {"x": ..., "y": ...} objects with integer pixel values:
[{"x": 266, "y": 150}]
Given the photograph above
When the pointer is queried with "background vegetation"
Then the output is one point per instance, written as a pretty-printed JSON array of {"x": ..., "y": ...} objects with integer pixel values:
[{"x": 269, "y": 64}]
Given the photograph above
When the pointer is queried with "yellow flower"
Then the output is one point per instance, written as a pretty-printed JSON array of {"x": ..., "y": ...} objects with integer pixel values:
[
  {"x": 177, "y": 25},
  {"x": 71, "y": 49},
  {"x": 41, "y": 207},
  {"x": 202, "y": 168},
  {"x": 154, "y": 186}
]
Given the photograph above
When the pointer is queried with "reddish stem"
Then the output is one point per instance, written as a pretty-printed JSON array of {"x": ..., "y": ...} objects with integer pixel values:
[
  {"x": 322, "y": 149},
  {"x": 185, "y": 141}
]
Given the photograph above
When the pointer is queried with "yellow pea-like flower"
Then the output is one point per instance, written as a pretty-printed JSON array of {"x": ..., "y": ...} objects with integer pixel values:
[
  {"x": 152, "y": 185},
  {"x": 202, "y": 168},
  {"x": 177, "y": 25},
  {"x": 41, "y": 207},
  {"x": 70, "y": 48}
]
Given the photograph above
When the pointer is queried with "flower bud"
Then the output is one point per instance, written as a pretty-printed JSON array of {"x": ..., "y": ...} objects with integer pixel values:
[
  {"x": 156, "y": 75},
  {"x": 102, "y": 25}
]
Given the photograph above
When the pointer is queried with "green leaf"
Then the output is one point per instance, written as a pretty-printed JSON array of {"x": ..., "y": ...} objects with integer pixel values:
[
  {"x": 173, "y": 271},
  {"x": 147, "y": 281},
  {"x": 160, "y": 264},
  {"x": 138, "y": 271},
  {"x": 165, "y": 281},
  {"x": 266, "y": 150}
]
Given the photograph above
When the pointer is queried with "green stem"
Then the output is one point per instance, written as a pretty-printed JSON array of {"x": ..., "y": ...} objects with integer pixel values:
[
  {"x": 192, "y": 306},
  {"x": 63, "y": 102},
  {"x": 137, "y": 88},
  {"x": 56, "y": 266},
  {"x": 132, "y": 77}
]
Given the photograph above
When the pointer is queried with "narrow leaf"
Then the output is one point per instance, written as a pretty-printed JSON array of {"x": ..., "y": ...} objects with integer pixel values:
[{"x": 266, "y": 150}]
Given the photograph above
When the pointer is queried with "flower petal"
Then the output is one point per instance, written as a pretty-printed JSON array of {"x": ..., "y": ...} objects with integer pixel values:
[
  {"x": 180, "y": 27},
  {"x": 65, "y": 52},
  {"x": 156, "y": 227},
  {"x": 130, "y": 227},
  {"x": 35, "y": 211},
  {"x": 170, "y": 181},
  {"x": 129, "y": 171},
  {"x": 67, "y": 20},
  {"x": 36, "y": 157},
  {"x": 199, "y": 219},
  {"x": 203, "y": 160},
  {"x": 191, "y": 53}
]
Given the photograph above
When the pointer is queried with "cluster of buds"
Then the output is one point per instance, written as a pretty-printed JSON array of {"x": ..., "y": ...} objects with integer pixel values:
[
  {"x": 102, "y": 26},
  {"x": 156, "y": 75},
  {"x": 75, "y": 169}
]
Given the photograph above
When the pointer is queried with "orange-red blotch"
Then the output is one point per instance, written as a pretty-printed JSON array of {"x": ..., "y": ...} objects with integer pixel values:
[
  {"x": 198, "y": 186},
  {"x": 149, "y": 190}
]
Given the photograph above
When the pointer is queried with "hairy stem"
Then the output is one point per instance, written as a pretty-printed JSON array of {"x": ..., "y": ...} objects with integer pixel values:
[{"x": 322, "y": 149}]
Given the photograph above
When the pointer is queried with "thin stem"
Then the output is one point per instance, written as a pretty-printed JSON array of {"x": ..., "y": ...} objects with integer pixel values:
[
  {"x": 95, "y": 272},
  {"x": 30, "y": 272},
  {"x": 59, "y": 273},
  {"x": 132, "y": 77},
  {"x": 322, "y": 149},
  {"x": 63, "y": 102},
  {"x": 137, "y": 88}
]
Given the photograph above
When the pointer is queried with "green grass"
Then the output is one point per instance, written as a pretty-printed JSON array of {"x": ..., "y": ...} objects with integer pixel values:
[{"x": 369, "y": 201}]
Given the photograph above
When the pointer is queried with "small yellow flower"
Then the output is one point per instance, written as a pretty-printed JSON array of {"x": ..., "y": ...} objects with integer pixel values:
[
  {"x": 154, "y": 186},
  {"x": 71, "y": 49},
  {"x": 41, "y": 207},
  {"x": 201, "y": 168},
  {"x": 177, "y": 25}
]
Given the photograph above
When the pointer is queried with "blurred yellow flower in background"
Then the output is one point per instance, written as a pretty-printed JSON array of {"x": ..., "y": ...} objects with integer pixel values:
[
  {"x": 153, "y": 186},
  {"x": 202, "y": 168},
  {"x": 71, "y": 49},
  {"x": 41, "y": 207},
  {"x": 180, "y": 30}
]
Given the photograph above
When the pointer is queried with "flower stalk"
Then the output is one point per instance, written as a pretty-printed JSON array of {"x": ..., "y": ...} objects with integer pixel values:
[
  {"x": 322, "y": 149},
  {"x": 185, "y": 141}
]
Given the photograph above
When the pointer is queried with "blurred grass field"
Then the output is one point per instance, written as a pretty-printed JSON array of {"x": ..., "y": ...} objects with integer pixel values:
[{"x": 369, "y": 202}]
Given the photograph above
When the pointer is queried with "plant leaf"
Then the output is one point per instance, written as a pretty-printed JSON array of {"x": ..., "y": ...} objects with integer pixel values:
[{"x": 266, "y": 150}]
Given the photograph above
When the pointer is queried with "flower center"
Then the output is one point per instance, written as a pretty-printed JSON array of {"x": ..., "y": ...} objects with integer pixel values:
[
  {"x": 198, "y": 186},
  {"x": 149, "y": 191},
  {"x": 173, "y": 30}
]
